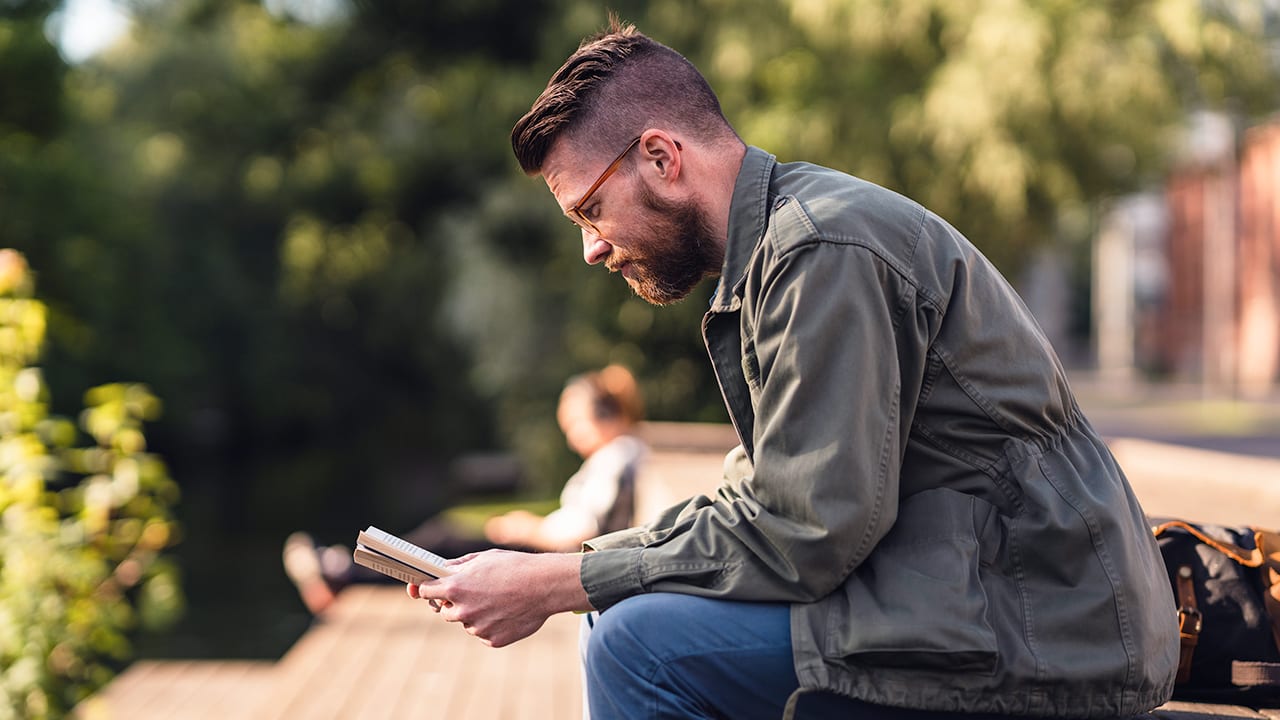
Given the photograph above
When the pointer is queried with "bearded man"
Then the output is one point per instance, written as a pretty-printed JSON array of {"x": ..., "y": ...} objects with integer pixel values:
[{"x": 919, "y": 519}]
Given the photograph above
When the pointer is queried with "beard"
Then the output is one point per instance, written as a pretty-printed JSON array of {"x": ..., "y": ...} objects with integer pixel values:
[{"x": 680, "y": 252}]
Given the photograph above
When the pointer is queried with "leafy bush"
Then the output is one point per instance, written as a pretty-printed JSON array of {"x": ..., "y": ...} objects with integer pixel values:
[{"x": 82, "y": 528}]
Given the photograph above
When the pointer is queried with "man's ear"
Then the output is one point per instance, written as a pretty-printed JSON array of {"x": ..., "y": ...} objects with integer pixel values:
[{"x": 662, "y": 154}]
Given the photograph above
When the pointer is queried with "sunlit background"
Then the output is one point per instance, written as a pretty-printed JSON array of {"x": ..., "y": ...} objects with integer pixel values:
[{"x": 282, "y": 254}]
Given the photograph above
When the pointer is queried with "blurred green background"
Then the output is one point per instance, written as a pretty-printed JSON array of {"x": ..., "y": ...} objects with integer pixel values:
[{"x": 300, "y": 224}]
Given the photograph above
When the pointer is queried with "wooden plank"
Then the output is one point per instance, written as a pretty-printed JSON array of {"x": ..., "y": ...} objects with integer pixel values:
[
  {"x": 562, "y": 668},
  {"x": 1178, "y": 710},
  {"x": 401, "y": 664},
  {"x": 482, "y": 688},
  {"x": 194, "y": 689},
  {"x": 130, "y": 689},
  {"x": 233, "y": 689},
  {"x": 344, "y": 662},
  {"x": 384, "y": 655},
  {"x": 310, "y": 655}
]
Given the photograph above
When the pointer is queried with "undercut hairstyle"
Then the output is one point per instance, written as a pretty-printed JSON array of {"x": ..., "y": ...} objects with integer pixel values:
[{"x": 616, "y": 85}]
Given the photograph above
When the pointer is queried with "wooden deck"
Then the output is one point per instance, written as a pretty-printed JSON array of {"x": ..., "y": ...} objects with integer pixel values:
[
  {"x": 375, "y": 654},
  {"x": 379, "y": 654}
]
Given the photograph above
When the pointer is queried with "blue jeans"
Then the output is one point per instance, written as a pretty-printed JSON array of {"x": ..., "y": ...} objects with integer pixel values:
[{"x": 666, "y": 655}]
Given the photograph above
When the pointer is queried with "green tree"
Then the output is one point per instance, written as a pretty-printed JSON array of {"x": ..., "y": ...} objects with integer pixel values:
[
  {"x": 82, "y": 529},
  {"x": 312, "y": 240}
]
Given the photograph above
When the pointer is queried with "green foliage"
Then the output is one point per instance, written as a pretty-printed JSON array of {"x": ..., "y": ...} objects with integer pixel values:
[
  {"x": 313, "y": 242},
  {"x": 82, "y": 529},
  {"x": 28, "y": 63}
]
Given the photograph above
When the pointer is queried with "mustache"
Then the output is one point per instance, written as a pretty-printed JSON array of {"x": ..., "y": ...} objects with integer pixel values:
[{"x": 617, "y": 259}]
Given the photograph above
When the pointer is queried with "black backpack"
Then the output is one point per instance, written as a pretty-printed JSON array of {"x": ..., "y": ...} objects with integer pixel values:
[{"x": 1226, "y": 586}]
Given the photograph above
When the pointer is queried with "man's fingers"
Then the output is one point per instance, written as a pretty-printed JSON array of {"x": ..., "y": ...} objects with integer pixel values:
[
  {"x": 451, "y": 613},
  {"x": 430, "y": 590}
]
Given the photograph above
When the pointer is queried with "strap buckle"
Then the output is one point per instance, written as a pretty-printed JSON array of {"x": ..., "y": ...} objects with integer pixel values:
[{"x": 1190, "y": 621}]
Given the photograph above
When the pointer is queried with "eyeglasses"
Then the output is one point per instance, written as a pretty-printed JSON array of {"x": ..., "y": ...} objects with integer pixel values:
[{"x": 575, "y": 212}]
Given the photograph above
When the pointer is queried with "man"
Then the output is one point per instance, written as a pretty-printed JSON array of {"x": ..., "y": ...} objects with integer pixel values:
[{"x": 919, "y": 518}]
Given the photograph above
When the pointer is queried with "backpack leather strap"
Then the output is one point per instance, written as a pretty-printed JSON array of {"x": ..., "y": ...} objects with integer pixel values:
[
  {"x": 1189, "y": 622},
  {"x": 1268, "y": 543},
  {"x": 1250, "y": 674},
  {"x": 1249, "y": 558}
]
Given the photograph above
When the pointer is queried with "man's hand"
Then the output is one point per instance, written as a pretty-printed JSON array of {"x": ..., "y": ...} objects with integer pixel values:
[{"x": 501, "y": 596}]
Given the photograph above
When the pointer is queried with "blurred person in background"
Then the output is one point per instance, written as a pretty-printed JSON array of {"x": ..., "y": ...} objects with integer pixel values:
[{"x": 597, "y": 412}]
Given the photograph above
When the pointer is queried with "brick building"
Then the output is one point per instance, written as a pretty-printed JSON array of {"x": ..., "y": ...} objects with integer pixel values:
[{"x": 1187, "y": 280}]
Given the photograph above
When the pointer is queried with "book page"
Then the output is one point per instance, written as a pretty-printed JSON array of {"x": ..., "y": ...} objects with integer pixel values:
[{"x": 385, "y": 543}]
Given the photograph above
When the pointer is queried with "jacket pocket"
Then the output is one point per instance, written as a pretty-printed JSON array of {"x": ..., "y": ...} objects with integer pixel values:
[{"x": 917, "y": 601}]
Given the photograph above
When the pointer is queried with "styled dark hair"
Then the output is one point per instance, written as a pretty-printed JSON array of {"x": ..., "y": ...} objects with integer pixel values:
[{"x": 617, "y": 84}]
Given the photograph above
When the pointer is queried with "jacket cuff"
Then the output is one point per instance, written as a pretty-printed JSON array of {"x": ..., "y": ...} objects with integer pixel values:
[{"x": 610, "y": 576}]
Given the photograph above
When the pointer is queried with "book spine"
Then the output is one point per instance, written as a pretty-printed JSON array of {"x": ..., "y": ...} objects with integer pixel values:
[{"x": 390, "y": 569}]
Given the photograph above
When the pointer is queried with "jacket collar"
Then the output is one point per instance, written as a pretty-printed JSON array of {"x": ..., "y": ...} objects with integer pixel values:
[{"x": 748, "y": 213}]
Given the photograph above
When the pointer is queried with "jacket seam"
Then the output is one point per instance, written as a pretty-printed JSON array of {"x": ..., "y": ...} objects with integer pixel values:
[
  {"x": 869, "y": 539},
  {"x": 813, "y": 234},
  {"x": 1020, "y": 582},
  {"x": 766, "y": 173},
  {"x": 1104, "y": 556},
  {"x": 977, "y": 398},
  {"x": 933, "y": 367},
  {"x": 816, "y": 238},
  {"x": 981, "y": 465},
  {"x": 988, "y": 468}
]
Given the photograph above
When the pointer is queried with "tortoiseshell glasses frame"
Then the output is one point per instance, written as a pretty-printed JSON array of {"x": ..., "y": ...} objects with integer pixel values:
[{"x": 575, "y": 213}]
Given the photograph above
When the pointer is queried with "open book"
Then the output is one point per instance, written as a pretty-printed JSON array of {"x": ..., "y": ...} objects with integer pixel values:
[{"x": 396, "y": 557}]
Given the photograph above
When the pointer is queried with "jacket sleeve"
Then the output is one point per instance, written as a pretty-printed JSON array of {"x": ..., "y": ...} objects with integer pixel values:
[{"x": 821, "y": 354}]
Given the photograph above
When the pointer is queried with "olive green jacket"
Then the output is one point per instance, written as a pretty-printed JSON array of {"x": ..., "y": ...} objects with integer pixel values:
[{"x": 915, "y": 476}]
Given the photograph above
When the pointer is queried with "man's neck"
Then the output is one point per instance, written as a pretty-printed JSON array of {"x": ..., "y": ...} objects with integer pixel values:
[{"x": 724, "y": 164}]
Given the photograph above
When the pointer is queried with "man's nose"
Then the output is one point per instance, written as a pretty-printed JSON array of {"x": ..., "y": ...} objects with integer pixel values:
[{"x": 594, "y": 248}]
